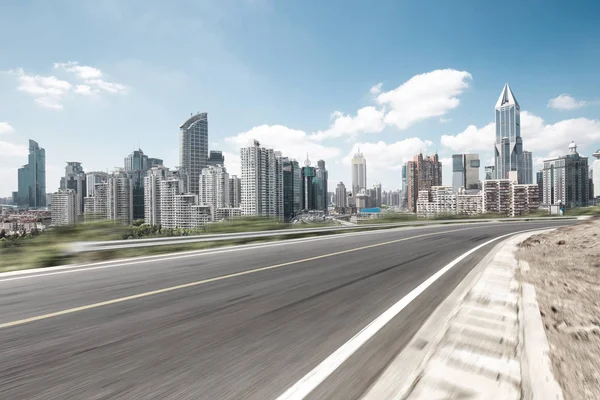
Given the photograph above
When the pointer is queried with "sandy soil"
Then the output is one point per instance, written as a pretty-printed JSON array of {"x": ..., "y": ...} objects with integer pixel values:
[{"x": 565, "y": 270}]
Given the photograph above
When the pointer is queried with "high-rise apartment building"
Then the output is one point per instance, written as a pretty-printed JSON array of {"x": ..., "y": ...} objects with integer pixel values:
[
  {"x": 154, "y": 162},
  {"x": 136, "y": 165},
  {"x": 508, "y": 147},
  {"x": 235, "y": 191},
  {"x": 64, "y": 207},
  {"x": 152, "y": 194},
  {"x": 465, "y": 172},
  {"x": 75, "y": 179},
  {"x": 566, "y": 180},
  {"x": 376, "y": 196},
  {"x": 260, "y": 178},
  {"x": 596, "y": 173},
  {"x": 120, "y": 198},
  {"x": 527, "y": 168},
  {"x": 95, "y": 207},
  {"x": 539, "y": 178},
  {"x": 341, "y": 196},
  {"x": 404, "y": 191},
  {"x": 309, "y": 174},
  {"x": 193, "y": 148},
  {"x": 320, "y": 182},
  {"x": 359, "y": 173},
  {"x": 215, "y": 157},
  {"x": 93, "y": 178},
  {"x": 422, "y": 174},
  {"x": 292, "y": 188},
  {"x": 214, "y": 188},
  {"x": 32, "y": 178}
]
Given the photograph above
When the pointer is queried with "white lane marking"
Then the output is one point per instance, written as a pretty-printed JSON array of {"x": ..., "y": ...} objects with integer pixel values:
[
  {"x": 314, "y": 378},
  {"x": 65, "y": 269}
]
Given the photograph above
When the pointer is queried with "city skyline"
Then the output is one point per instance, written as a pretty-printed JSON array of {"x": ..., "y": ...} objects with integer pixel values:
[{"x": 391, "y": 104}]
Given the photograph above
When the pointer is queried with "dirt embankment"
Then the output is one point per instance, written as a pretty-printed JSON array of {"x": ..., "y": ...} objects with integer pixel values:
[{"x": 565, "y": 270}]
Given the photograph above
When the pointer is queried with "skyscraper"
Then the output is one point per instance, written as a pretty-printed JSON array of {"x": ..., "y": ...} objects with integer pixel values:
[
  {"x": 320, "y": 182},
  {"x": 508, "y": 148},
  {"x": 152, "y": 182},
  {"x": 75, "y": 179},
  {"x": 341, "y": 197},
  {"x": 93, "y": 178},
  {"x": 596, "y": 173},
  {"x": 136, "y": 166},
  {"x": 527, "y": 168},
  {"x": 292, "y": 188},
  {"x": 377, "y": 196},
  {"x": 566, "y": 180},
  {"x": 404, "y": 199},
  {"x": 359, "y": 173},
  {"x": 465, "y": 172},
  {"x": 539, "y": 179},
  {"x": 120, "y": 198},
  {"x": 32, "y": 178},
  {"x": 193, "y": 148},
  {"x": 260, "y": 195},
  {"x": 422, "y": 174},
  {"x": 308, "y": 188}
]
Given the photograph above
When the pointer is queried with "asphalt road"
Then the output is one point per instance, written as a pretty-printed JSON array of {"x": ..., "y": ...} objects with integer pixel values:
[{"x": 242, "y": 324}]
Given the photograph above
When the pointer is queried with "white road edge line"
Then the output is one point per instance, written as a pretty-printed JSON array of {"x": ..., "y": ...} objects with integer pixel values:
[
  {"x": 65, "y": 269},
  {"x": 314, "y": 378}
]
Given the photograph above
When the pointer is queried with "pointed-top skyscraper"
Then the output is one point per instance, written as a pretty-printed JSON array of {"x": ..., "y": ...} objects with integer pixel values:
[{"x": 508, "y": 148}]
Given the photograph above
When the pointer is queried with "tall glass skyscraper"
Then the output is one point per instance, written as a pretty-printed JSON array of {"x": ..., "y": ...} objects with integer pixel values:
[
  {"x": 508, "y": 148},
  {"x": 193, "y": 148},
  {"x": 359, "y": 173},
  {"x": 320, "y": 182},
  {"x": 32, "y": 178}
]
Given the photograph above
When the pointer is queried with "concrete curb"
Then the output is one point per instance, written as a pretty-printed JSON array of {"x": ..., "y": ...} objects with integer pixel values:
[
  {"x": 400, "y": 377},
  {"x": 486, "y": 340},
  {"x": 538, "y": 380}
]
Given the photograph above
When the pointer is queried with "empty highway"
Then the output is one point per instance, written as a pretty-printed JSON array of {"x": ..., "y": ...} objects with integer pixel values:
[{"x": 250, "y": 323}]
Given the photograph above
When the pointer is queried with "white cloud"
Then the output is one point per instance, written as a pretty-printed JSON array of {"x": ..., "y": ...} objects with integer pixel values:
[
  {"x": 382, "y": 157},
  {"x": 13, "y": 150},
  {"x": 82, "y": 71},
  {"x": 232, "y": 163},
  {"x": 367, "y": 120},
  {"x": 85, "y": 90},
  {"x": 5, "y": 127},
  {"x": 48, "y": 91},
  {"x": 445, "y": 120},
  {"x": 110, "y": 87},
  {"x": 376, "y": 89},
  {"x": 432, "y": 94},
  {"x": 471, "y": 139},
  {"x": 291, "y": 142},
  {"x": 566, "y": 102}
]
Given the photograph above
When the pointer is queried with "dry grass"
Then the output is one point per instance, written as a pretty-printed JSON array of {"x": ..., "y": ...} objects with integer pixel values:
[{"x": 565, "y": 270}]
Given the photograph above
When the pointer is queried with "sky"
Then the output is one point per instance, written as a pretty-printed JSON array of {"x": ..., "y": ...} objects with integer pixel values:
[{"x": 92, "y": 80}]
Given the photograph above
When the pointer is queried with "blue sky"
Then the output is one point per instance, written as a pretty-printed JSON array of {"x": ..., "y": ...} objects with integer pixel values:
[{"x": 92, "y": 80}]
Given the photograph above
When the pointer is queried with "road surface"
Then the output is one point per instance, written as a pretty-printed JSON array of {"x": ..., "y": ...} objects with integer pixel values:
[{"x": 241, "y": 324}]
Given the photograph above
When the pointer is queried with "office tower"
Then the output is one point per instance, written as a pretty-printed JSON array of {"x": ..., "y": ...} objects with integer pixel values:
[
  {"x": 376, "y": 198},
  {"x": 508, "y": 147},
  {"x": 193, "y": 148},
  {"x": 32, "y": 178},
  {"x": 404, "y": 203},
  {"x": 214, "y": 188},
  {"x": 320, "y": 182},
  {"x": 341, "y": 196},
  {"x": 539, "y": 178},
  {"x": 48, "y": 199},
  {"x": 527, "y": 168},
  {"x": 154, "y": 162},
  {"x": 260, "y": 196},
  {"x": 292, "y": 188},
  {"x": 465, "y": 172},
  {"x": 422, "y": 174},
  {"x": 308, "y": 188},
  {"x": 136, "y": 166},
  {"x": 76, "y": 180},
  {"x": 235, "y": 191},
  {"x": 566, "y": 180},
  {"x": 596, "y": 173},
  {"x": 359, "y": 173},
  {"x": 490, "y": 172},
  {"x": 64, "y": 207},
  {"x": 215, "y": 158},
  {"x": 93, "y": 178}
]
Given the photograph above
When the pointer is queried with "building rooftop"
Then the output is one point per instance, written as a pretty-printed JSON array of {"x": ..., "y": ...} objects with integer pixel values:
[
  {"x": 507, "y": 98},
  {"x": 192, "y": 119}
]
